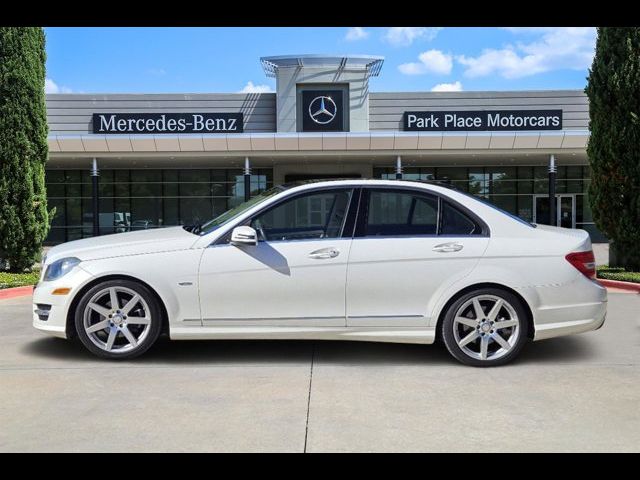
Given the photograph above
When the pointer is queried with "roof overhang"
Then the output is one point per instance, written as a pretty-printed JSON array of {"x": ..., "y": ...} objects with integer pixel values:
[
  {"x": 297, "y": 143},
  {"x": 369, "y": 63}
]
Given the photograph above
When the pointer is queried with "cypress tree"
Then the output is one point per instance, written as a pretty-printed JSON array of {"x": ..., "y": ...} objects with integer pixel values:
[
  {"x": 24, "y": 220},
  {"x": 613, "y": 89}
]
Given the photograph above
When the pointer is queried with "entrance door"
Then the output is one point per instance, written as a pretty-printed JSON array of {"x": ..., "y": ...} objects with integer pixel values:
[{"x": 565, "y": 215}]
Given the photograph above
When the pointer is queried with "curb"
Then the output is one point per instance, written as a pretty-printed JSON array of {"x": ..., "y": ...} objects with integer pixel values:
[
  {"x": 16, "y": 292},
  {"x": 634, "y": 287}
]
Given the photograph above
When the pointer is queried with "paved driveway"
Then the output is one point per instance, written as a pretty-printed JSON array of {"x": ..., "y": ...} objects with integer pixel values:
[{"x": 567, "y": 394}]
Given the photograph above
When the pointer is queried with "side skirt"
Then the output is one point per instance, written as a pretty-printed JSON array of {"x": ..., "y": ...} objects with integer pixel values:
[{"x": 425, "y": 335}]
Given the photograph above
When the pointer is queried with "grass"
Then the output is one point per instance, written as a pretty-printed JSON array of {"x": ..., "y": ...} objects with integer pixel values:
[
  {"x": 10, "y": 280},
  {"x": 617, "y": 273}
]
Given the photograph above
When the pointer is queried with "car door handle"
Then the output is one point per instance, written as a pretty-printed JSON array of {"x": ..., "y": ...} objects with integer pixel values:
[
  {"x": 448, "y": 247},
  {"x": 323, "y": 253}
]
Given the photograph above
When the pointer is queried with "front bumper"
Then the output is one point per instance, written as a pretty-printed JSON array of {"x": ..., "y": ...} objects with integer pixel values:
[{"x": 57, "y": 305}]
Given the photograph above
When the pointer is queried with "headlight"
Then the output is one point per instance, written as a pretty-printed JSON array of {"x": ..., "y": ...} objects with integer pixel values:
[{"x": 60, "y": 268}]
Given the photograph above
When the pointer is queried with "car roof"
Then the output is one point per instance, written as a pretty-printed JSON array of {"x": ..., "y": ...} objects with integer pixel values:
[{"x": 367, "y": 181}]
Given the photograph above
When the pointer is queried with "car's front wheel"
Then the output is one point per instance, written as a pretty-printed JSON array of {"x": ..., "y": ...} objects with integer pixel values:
[
  {"x": 485, "y": 327},
  {"x": 118, "y": 319}
]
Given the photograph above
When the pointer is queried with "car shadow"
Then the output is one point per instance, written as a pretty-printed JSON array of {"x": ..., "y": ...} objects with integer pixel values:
[{"x": 211, "y": 352}]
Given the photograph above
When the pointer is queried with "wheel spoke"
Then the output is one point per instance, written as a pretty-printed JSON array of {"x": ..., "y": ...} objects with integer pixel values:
[
  {"x": 129, "y": 336},
  {"x": 113, "y": 295},
  {"x": 130, "y": 304},
  {"x": 469, "y": 322},
  {"x": 469, "y": 338},
  {"x": 505, "y": 324},
  {"x": 495, "y": 310},
  {"x": 101, "y": 310},
  {"x": 484, "y": 344},
  {"x": 112, "y": 338},
  {"x": 478, "y": 309},
  {"x": 501, "y": 341},
  {"x": 98, "y": 326},
  {"x": 138, "y": 320}
]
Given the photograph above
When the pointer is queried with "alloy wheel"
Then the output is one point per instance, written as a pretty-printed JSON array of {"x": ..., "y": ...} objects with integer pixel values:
[
  {"x": 117, "y": 319},
  {"x": 486, "y": 327}
]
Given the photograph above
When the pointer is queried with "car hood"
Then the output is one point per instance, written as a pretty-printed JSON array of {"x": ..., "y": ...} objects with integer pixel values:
[{"x": 122, "y": 244}]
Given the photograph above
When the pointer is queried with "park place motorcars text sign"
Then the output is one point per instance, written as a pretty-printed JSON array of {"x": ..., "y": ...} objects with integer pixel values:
[
  {"x": 482, "y": 120},
  {"x": 155, "y": 123}
]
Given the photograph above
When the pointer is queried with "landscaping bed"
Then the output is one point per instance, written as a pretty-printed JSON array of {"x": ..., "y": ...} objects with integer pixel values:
[
  {"x": 10, "y": 280},
  {"x": 617, "y": 273}
]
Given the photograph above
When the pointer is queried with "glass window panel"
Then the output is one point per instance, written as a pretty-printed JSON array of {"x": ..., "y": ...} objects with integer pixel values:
[
  {"x": 145, "y": 213},
  {"x": 195, "y": 210},
  {"x": 55, "y": 190},
  {"x": 525, "y": 207},
  {"x": 171, "y": 214},
  {"x": 454, "y": 222},
  {"x": 400, "y": 213},
  {"x": 170, "y": 187},
  {"x": 477, "y": 181},
  {"x": 315, "y": 215},
  {"x": 58, "y": 219},
  {"x": 56, "y": 235},
  {"x": 505, "y": 202}
]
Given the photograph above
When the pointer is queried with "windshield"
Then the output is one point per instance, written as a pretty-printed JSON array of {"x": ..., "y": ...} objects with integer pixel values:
[{"x": 211, "y": 225}]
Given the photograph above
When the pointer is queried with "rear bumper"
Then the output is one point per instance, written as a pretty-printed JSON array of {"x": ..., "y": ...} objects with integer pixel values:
[
  {"x": 578, "y": 307},
  {"x": 593, "y": 318}
]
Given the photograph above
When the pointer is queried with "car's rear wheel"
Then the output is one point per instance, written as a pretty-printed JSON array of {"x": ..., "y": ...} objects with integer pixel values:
[
  {"x": 485, "y": 327},
  {"x": 118, "y": 319}
]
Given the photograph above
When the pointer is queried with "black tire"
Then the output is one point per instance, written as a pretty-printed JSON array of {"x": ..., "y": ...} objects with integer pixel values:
[
  {"x": 154, "y": 326},
  {"x": 448, "y": 325}
]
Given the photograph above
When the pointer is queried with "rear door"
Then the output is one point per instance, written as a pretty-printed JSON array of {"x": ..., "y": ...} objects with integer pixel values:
[{"x": 409, "y": 245}]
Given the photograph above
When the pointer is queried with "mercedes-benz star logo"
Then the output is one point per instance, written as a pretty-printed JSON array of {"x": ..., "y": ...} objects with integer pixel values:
[{"x": 322, "y": 110}]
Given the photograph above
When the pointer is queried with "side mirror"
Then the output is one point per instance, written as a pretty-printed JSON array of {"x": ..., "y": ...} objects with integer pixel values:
[{"x": 244, "y": 235}]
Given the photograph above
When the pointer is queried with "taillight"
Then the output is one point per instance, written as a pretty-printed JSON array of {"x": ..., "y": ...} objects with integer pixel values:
[{"x": 585, "y": 262}]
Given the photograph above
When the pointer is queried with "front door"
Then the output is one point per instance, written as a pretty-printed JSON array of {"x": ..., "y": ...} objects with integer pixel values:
[
  {"x": 296, "y": 274},
  {"x": 565, "y": 215},
  {"x": 401, "y": 257}
]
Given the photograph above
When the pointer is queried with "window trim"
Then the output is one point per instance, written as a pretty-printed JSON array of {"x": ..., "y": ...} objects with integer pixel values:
[{"x": 363, "y": 213}]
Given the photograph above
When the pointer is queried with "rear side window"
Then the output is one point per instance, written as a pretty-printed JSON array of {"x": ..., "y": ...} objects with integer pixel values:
[
  {"x": 454, "y": 222},
  {"x": 394, "y": 212}
]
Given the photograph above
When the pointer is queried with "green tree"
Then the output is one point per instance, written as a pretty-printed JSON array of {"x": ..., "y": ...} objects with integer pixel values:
[
  {"x": 24, "y": 220},
  {"x": 613, "y": 89}
]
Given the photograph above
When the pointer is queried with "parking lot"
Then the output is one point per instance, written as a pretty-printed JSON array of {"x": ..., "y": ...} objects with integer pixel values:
[{"x": 579, "y": 393}]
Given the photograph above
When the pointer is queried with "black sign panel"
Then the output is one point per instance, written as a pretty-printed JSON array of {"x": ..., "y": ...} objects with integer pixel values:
[
  {"x": 322, "y": 111},
  {"x": 482, "y": 120},
  {"x": 156, "y": 123}
]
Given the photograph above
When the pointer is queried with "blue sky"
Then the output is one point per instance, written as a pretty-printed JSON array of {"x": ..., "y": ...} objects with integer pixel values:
[{"x": 181, "y": 60}]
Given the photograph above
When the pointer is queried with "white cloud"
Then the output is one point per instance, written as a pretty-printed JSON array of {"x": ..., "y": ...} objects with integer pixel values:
[
  {"x": 431, "y": 61},
  {"x": 251, "y": 88},
  {"x": 556, "y": 48},
  {"x": 158, "y": 72},
  {"x": 356, "y": 33},
  {"x": 404, "y": 36},
  {"x": 52, "y": 87},
  {"x": 448, "y": 87}
]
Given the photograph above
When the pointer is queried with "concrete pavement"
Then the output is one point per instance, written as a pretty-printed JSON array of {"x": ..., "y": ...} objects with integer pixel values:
[{"x": 578, "y": 393}]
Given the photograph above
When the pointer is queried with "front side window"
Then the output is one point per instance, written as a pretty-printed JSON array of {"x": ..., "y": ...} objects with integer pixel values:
[
  {"x": 315, "y": 215},
  {"x": 394, "y": 212}
]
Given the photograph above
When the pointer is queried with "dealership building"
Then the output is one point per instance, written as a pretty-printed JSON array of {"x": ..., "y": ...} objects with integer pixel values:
[{"x": 120, "y": 162}]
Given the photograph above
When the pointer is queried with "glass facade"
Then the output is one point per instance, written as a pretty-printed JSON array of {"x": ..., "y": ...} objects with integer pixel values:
[
  {"x": 144, "y": 198},
  {"x": 520, "y": 190}
]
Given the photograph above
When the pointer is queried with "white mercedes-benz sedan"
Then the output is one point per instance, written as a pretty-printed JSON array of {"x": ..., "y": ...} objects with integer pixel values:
[{"x": 373, "y": 260}]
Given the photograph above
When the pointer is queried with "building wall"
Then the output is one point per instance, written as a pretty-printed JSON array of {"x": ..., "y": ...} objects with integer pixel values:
[
  {"x": 71, "y": 114},
  {"x": 289, "y": 78},
  {"x": 386, "y": 108}
]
